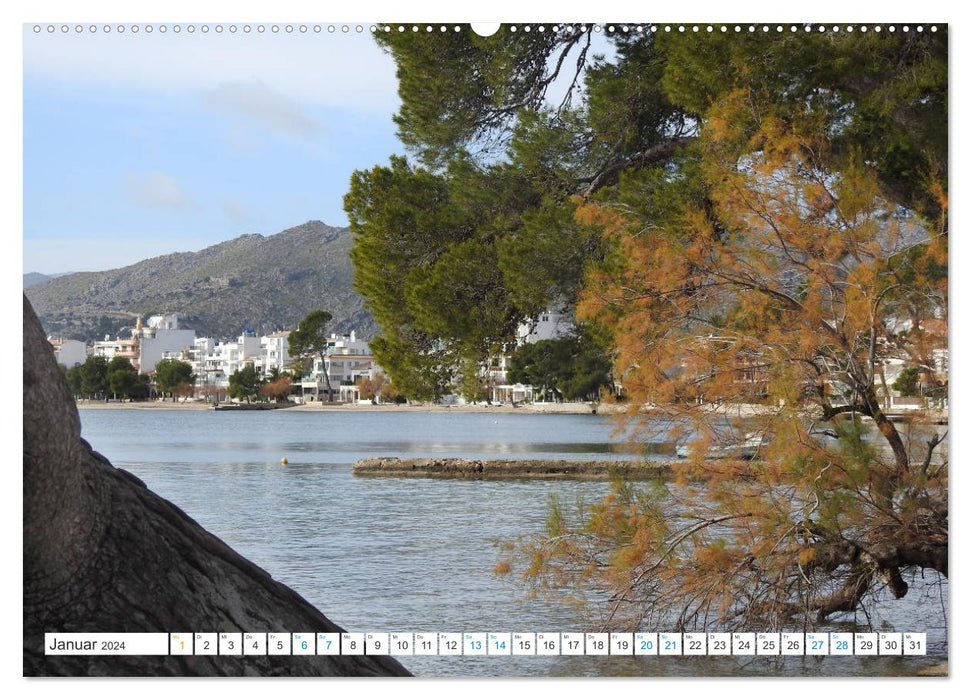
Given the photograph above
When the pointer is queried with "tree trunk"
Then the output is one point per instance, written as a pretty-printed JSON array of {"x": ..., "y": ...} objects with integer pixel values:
[
  {"x": 889, "y": 432},
  {"x": 330, "y": 392},
  {"x": 102, "y": 553}
]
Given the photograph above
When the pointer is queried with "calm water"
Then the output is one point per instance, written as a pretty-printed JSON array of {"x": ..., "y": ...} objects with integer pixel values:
[{"x": 402, "y": 555}]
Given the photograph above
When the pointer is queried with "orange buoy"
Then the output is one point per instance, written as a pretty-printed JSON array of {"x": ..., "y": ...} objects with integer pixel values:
[{"x": 284, "y": 461}]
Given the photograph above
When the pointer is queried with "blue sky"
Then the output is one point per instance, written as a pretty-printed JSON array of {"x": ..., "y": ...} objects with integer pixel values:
[{"x": 138, "y": 145}]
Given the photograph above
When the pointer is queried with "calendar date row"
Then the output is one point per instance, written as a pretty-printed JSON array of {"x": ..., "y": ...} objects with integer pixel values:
[{"x": 489, "y": 644}]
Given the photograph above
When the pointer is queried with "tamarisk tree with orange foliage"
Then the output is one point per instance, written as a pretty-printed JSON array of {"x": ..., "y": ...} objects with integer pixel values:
[
  {"x": 764, "y": 314},
  {"x": 782, "y": 291},
  {"x": 757, "y": 290},
  {"x": 277, "y": 389}
]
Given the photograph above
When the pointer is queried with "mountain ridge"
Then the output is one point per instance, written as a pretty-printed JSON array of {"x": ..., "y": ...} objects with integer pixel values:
[
  {"x": 32, "y": 278},
  {"x": 256, "y": 282}
]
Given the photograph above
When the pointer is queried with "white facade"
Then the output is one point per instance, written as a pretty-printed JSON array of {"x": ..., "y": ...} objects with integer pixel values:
[
  {"x": 153, "y": 348},
  {"x": 215, "y": 362},
  {"x": 549, "y": 325},
  {"x": 203, "y": 347},
  {"x": 166, "y": 322},
  {"x": 347, "y": 345},
  {"x": 347, "y": 361},
  {"x": 119, "y": 347},
  {"x": 106, "y": 348},
  {"x": 69, "y": 353},
  {"x": 513, "y": 393},
  {"x": 274, "y": 352},
  {"x": 347, "y": 358},
  {"x": 347, "y": 368},
  {"x": 149, "y": 343}
]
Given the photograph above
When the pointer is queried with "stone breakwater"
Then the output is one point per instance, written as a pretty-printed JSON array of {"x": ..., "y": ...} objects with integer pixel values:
[{"x": 458, "y": 468}]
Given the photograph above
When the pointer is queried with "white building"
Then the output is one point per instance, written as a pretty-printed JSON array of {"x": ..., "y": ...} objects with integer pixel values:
[
  {"x": 549, "y": 325},
  {"x": 932, "y": 380},
  {"x": 347, "y": 361},
  {"x": 196, "y": 356},
  {"x": 119, "y": 347},
  {"x": 160, "y": 338},
  {"x": 68, "y": 352},
  {"x": 274, "y": 352},
  {"x": 214, "y": 362},
  {"x": 164, "y": 322},
  {"x": 148, "y": 343}
]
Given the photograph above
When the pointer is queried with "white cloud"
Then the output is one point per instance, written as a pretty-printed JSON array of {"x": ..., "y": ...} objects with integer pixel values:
[
  {"x": 254, "y": 100},
  {"x": 154, "y": 190},
  {"x": 338, "y": 70},
  {"x": 236, "y": 211}
]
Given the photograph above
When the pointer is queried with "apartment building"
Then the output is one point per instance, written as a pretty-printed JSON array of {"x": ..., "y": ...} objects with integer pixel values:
[
  {"x": 150, "y": 342},
  {"x": 68, "y": 352},
  {"x": 549, "y": 325},
  {"x": 347, "y": 361}
]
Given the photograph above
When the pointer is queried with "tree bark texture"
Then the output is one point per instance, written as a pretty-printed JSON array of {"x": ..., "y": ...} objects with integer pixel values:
[{"x": 103, "y": 553}]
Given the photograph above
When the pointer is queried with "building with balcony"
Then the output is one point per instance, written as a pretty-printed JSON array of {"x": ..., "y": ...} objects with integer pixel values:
[{"x": 347, "y": 361}]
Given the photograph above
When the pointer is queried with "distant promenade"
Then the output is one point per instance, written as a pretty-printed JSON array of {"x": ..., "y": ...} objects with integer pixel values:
[
  {"x": 939, "y": 416},
  {"x": 572, "y": 407}
]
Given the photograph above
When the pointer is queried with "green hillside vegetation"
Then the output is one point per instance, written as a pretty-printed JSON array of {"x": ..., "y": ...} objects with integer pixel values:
[{"x": 263, "y": 283}]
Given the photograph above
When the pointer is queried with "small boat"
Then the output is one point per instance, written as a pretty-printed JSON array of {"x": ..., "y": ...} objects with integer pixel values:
[{"x": 746, "y": 449}]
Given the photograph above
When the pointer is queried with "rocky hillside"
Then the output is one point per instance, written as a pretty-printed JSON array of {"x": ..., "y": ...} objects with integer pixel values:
[{"x": 263, "y": 283}]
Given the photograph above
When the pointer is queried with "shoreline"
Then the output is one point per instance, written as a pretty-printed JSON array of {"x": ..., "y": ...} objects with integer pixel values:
[
  {"x": 572, "y": 408},
  {"x": 939, "y": 416},
  {"x": 90, "y": 404},
  {"x": 568, "y": 408}
]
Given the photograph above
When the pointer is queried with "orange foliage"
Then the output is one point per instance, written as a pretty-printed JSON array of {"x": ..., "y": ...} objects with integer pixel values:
[
  {"x": 785, "y": 290},
  {"x": 278, "y": 390}
]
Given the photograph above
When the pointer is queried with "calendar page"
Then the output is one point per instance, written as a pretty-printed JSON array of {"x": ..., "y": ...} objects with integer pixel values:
[{"x": 526, "y": 349}]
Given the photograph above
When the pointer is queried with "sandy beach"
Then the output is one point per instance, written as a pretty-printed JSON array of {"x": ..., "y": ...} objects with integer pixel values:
[
  {"x": 91, "y": 405},
  {"x": 737, "y": 410},
  {"x": 575, "y": 408},
  {"x": 580, "y": 408}
]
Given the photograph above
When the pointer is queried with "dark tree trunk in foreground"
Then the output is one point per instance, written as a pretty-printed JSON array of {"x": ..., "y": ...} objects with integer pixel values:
[{"x": 102, "y": 553}]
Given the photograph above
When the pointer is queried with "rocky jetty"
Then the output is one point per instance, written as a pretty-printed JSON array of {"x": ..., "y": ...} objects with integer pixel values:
[{"x": 457, "y": 468}]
